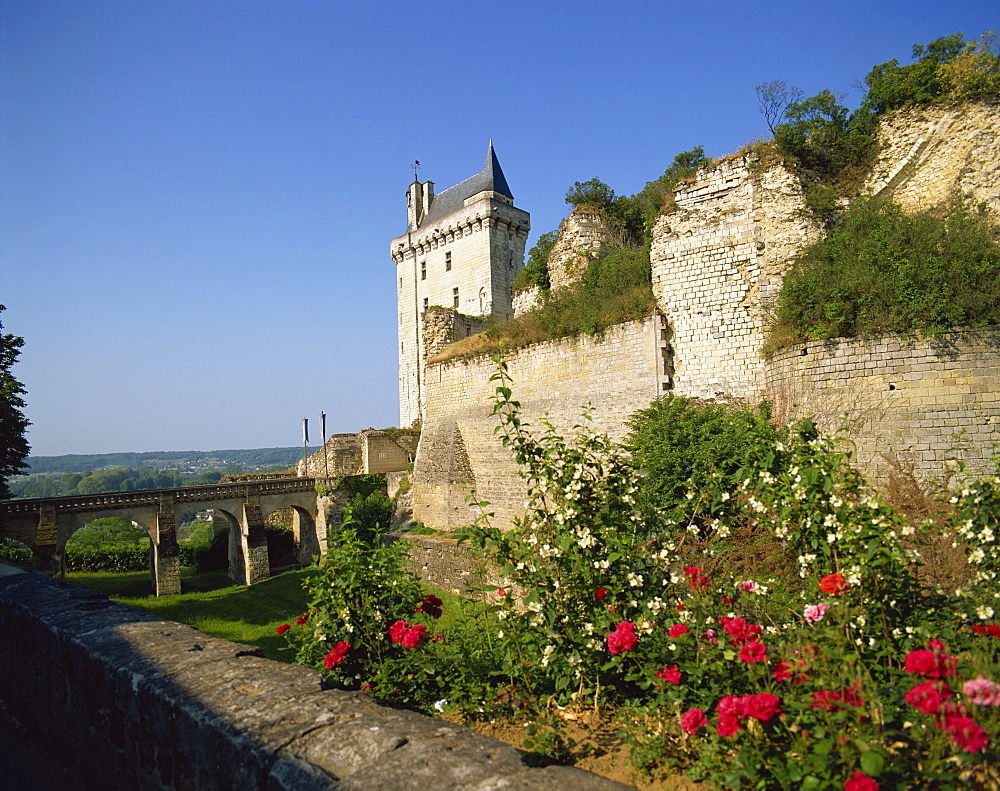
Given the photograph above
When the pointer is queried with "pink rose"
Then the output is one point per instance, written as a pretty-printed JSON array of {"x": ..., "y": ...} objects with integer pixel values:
[
  {"x": 982, "y": 692},
  {"x": 815, "y": 612}
]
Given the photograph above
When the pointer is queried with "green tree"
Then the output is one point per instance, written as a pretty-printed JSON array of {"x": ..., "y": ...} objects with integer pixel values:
[
  {"x": 13, "y": 424},
  {"x": 115, "y": 530}
]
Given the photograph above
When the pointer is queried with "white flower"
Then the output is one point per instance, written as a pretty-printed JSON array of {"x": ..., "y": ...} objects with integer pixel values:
[
  {"x": 984, "y": 612},
  {"x": 440, "y": 704}
]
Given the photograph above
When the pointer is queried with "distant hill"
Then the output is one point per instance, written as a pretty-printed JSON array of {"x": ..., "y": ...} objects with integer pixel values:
[{"x": 183, "y": 460}]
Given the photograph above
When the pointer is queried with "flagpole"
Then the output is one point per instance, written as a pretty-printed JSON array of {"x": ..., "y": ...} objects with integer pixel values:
[
  {"x": 305, "y": 443},
  {"x": 326, "y": 460}
]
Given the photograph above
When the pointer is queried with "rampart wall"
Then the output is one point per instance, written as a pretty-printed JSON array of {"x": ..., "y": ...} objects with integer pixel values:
[
  {"x": 615, "y": 374},
  {"x": 919, "y": 402},
  {"x": 125, "y": 699}
]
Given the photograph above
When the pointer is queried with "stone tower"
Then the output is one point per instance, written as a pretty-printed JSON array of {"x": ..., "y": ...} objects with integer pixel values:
[{"x": 461, "y": 250}]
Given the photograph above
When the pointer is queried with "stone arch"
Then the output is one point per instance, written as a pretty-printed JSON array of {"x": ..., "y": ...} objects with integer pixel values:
[
  {"x": 304, "y": 532},
  {"x": 233, "y": 527}
]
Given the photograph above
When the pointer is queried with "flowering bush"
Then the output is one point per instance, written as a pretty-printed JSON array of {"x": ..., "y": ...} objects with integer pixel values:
[{"x": 841, "y": 671}]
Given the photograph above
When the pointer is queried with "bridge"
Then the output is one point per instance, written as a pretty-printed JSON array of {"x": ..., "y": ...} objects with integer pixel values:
[{"x": 45, "y": 525}]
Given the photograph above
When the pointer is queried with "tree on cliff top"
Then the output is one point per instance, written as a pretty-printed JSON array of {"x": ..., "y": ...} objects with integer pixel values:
[{"x": 13, "y": 445}]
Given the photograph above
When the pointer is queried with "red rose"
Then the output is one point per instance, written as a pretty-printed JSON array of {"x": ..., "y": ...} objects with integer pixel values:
[
  {"x": 301, "y": 619},
  {"x": 966, "y": 733},
  {"x": 692, "y": 720},
  {"x": 783, "y": 670},
  {"x": 337, "y": 655},
  {"x": 753, "y": 652},
  {"x": 283, "y": 628},
  {"x": 860, "y": 782},
  {"x": 622, "y": 639},
  {"x": 600, "y": 593},
  {"x": 762, "y": 706},
  {"x": 431, "y": 605},
  {"x": 928, "y": 696},
  {"x": 412, "y": 637},
  {"x": 834, "y": 584},
  {"x": 677, "y": 630},
  {"x": 670, "y": 674},
  {"x": 398, "y": 630},
  {"x": 825, "y": 700},
  {"x": 696, "y": 578}
]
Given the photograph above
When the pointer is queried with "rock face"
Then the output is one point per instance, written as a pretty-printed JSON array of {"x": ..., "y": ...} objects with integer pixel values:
[
  {"x": 718, "y": 260},
  {"x": 931, "y": 155}
]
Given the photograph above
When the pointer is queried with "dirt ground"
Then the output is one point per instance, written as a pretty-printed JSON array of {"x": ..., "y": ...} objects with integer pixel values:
[{"x": 607, "y": 755}]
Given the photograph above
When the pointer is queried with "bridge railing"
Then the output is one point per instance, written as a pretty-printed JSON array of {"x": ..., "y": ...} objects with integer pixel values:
[{"x": 144, "y": 497}]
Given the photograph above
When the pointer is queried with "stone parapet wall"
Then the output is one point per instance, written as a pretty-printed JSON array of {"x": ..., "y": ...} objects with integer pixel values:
[
  {"x": 930, "y": 155},
  {"x": 717, "y": 264},
  {"x": 907, "y": 399},
  {"x": 616, "y": 374},
  {"x": 124, "y": 699}
]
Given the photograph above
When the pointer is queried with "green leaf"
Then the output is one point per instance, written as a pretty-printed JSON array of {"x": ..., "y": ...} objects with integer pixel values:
[{"x": 872, "y": 763}]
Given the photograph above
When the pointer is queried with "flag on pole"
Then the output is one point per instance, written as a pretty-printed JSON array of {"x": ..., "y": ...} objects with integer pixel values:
[
  {"x": 322, "y": 425},
  {"x": 305, "y": 431}
]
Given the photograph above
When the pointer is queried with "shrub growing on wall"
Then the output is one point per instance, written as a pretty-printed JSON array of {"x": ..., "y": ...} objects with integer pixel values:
[{"x": 882, "y": 271}]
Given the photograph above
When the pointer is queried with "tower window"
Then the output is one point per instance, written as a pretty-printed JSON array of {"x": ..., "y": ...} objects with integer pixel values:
[
  {"x": 425, "y": 303},
  {"x": 423, "y": 270},
  {"x": 454, "y": 294},
  {"x": 447, "y": 262}
]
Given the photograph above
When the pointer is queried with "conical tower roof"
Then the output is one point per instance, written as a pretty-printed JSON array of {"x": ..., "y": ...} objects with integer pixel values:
[{"x": 489, "y": 179}]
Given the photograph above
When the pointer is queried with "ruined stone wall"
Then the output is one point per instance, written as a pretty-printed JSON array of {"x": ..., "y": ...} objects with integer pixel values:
[
  {"x": 616, "y": 374},
  {"x": 581, "y": 237},
  {"x": 930, "y": 155},
  {"x": 907, "y": 399},
  {"x": 526, "y": 298},
  {"x": 717, "y": 264},
  {"x": 122, "y": 698},
  {"x": 442, "y": 326}
]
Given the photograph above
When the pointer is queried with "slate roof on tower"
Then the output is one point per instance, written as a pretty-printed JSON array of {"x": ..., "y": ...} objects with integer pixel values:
[{"x": 490, "y": 178}]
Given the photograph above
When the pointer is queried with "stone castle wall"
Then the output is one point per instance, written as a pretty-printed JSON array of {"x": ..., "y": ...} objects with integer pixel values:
[
  {"x": 916, "y": 401},
  {"x": 615, "y": 374},
  {"x": 717, "y": 263},
  {"x": 718, "y": 260}
]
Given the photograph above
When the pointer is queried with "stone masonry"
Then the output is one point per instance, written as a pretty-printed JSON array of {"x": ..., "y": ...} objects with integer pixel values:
[
  {"x": 717, "y": 261},
  {"x": 614, "y": 374},
  {"x": 915, "y": 401}
]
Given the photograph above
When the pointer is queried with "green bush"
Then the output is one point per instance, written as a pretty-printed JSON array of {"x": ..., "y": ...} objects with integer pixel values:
[
  {"x": 117, "y": 558},
  {"x": 536, "y": 270},
  {"x": 16, "y": 553},
  {"x": 676, "y": 440},
  {"x": 371, "y": 515},
  {"x": 881, "y": 271}
]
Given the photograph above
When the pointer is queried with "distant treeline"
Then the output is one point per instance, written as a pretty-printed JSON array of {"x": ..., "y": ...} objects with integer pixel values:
[
  {"x": 250, "y": 460},
  {"x": 118, "y": 479}
]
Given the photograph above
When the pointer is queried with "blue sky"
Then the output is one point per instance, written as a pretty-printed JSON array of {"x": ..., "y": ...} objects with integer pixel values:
[{"x": 197, "y": 198}]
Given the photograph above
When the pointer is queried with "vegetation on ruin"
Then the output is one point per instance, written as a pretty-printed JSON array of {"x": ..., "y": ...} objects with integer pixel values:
[
  {"x": 880, "y": 270},
  {"x": 830, "y": 147},
  {"x": 769, "y": 626}
]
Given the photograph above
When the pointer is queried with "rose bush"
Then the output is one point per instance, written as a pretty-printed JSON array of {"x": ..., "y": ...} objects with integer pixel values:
[{"x": 841, "y": 669}]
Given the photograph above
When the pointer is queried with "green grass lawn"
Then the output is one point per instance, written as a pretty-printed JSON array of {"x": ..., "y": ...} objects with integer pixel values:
[{"x": 214, "y": 605}]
